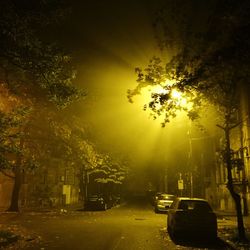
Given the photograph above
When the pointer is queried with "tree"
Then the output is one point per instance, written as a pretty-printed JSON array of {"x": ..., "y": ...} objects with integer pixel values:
[
  {"x": 63, "y": 136},
  {"x": 34, "y": 70},
  {"x": 11, "y": 153},
  {"x": 208, "y": 67},
  {"x": 30, "y": 65},
  {"x": 94, "y": 168}
]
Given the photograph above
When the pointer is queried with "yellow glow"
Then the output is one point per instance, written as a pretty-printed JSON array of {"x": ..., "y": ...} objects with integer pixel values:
[
  {"x": 176, "y": 94},
  {"x": 159, "y": 90},
  {"x": 119, "y": 125},
  {"x": 180, "y": 98}
]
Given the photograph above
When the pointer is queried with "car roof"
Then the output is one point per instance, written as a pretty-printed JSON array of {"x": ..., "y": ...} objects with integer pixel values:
[
  {"x": 191, "y": 199},
  {"x": 167, "y": 194}
]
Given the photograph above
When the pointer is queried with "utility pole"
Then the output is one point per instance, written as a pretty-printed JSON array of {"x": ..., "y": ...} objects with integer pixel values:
[
  {"x": 166, "y": 180},
  {"x": 191, "y": 185},
  {"x": 244, "y": 183},
  {"x": 190, "y": 161}
]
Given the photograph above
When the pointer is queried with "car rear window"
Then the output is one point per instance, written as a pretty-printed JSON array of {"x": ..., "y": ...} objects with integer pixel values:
[
  {"x": 166, "y": 197},
  {"x": 194, "y": 205}
]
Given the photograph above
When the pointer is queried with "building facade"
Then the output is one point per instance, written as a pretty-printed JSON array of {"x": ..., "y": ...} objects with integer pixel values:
[{"x": 240, "y": 149}]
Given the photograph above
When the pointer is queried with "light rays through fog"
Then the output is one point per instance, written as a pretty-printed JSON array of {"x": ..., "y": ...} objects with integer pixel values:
[
  {"x": 107, "y": 72},
  {"x": 119, "y": 124}
]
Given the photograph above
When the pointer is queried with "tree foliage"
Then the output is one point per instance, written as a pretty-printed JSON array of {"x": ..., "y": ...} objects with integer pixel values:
[
  {"x": 29, "y": 64},
  {"x": 36, "y": 75},
  {"x": 207, "y": 64}
]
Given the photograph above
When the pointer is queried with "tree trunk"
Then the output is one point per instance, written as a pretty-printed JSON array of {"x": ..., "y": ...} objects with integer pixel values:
[
  {"x": 14, "y": 206},
  {"x": 86, "y": 181},
  {"x": 82, "y": 185},
  {"x": 16, "y": 190},
  {"x": 244, "y": 182},
  {"x": 235, "y": 196},
  {"x": 244, "y": 198}
]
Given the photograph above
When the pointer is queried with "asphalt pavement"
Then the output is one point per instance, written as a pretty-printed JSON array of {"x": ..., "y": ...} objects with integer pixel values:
[{"x": 127, "y": 227}]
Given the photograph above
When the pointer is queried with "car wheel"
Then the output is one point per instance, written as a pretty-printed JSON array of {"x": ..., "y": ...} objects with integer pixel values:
[
  {"x": 156, "y": 210},
  {"x": 169, "y": 231},
  {"x": 172, "y": 233}
]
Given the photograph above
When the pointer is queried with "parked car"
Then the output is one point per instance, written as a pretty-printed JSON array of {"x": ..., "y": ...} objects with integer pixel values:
[
  {"x": 95, "y": 202},
  {"x": 116, "y": 199},
  {"x": 192, "y": 217},
  {"x": 163, "y": 202},
  {"x": 109, "y": 200},
  {"x": 156, "y": 196}
]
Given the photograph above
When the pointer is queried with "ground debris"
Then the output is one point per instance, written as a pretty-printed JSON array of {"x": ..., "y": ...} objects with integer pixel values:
[
  {"x": 230, "y": 235},
  {"x": 16, "y": 237},
  {"x": 7, "y": 237}
]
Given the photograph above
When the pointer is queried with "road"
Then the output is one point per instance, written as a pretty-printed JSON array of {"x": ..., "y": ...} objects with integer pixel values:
[{"x": 133, "y": 226}]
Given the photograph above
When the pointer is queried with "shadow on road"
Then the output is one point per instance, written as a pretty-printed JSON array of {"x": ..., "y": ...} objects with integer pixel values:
[
  {"x": 140, "y": 202},
  {"x": 193, "y": 242}
]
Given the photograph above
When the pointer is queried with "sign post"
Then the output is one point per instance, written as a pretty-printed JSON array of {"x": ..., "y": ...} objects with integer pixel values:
[{"x": 180, "y": 185}]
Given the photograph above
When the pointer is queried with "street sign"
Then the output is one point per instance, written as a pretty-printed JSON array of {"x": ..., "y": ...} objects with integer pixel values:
[{"x": 180, "y": 184}]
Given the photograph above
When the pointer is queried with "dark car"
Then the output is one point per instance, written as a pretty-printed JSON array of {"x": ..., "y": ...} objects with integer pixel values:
[
  {"x": 163, "y": 202},
  {"x": 191, "y": 217},
  {"x": 95, "y": 202}
]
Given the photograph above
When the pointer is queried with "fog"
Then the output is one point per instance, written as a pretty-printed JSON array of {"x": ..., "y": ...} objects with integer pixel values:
[{"x": 112, "y": 39}]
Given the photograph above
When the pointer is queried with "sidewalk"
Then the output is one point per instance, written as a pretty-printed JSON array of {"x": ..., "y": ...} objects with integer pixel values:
[
  {"x": 228, "y": 231},
  {"x": 232, "y": 218},
  {"x": 15, "y": 237},
  {"x": 68, "y": 208}
]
